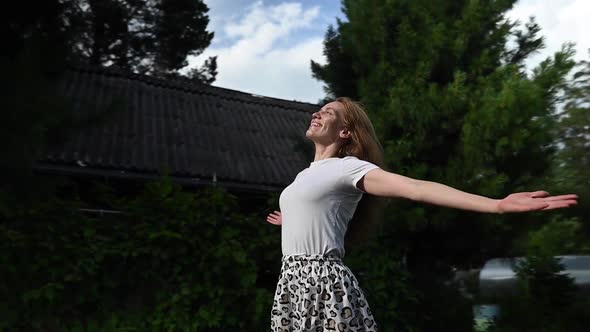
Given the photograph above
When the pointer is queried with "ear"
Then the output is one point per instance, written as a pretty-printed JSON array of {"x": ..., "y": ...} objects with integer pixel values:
[{"x": 345, "y": 133}]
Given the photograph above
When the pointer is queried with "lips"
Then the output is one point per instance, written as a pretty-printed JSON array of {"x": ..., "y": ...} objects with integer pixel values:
[{"x": 315, "y": 124}]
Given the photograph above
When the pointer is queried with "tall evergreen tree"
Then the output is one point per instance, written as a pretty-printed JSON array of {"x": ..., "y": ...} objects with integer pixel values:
[
  {"x": 446, "y": 87},
  {"x": 572, "y": 163},
  {"x": 144, "y": 36},
  {"x": 152, "y": 37}
]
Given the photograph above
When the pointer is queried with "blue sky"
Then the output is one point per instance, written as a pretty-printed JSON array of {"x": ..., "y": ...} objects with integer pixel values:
[{"x": 264, "y": 47}]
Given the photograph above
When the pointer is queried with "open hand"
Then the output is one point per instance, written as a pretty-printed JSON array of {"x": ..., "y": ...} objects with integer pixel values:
[
  {"x": 535, "y": 201},
  {"x": 275, "y": 218}
]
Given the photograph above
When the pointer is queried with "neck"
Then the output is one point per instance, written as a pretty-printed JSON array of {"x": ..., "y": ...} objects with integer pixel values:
[{"x": 325, "y": 152}]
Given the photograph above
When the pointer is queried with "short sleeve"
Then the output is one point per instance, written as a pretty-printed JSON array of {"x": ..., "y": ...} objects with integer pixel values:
[{"x": 354, "y": 169}]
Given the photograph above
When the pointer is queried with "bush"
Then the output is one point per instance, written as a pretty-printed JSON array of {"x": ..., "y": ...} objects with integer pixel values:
[
  {"x": 173, "y": 261},
  {"x": 548, "y": 299}
]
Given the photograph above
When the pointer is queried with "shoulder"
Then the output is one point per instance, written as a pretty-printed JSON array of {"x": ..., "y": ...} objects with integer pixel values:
[
  {"x": 354, "y": 169},
  {"x": 353, "y": 161}
]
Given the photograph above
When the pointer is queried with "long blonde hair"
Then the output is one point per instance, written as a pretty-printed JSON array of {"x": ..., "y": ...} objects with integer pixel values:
[{"x": 364, "y": 145}]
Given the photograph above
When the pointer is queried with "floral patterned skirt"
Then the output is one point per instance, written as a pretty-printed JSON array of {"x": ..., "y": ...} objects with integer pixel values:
[{"x": 319, "y": 293}]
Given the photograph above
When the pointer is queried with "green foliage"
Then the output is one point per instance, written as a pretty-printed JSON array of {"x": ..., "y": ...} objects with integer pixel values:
[
  {"x": 389, "y": 297},
  {"x": 152, "y": 37},
  {"x": 540, "y": 276},
  {"x": 446, "y": 88},
  {"x": 33, "y": 118},
  {"x": 571, "y": 167},
  {"x": 547, "y": 299},
  {"x": 147, "y": 37},
  {"x": 341, "y": 76},
  {"x": 42, "y": 39},
  {"x": 559, "y": 237},
  {"x": 173, "y": 261}
]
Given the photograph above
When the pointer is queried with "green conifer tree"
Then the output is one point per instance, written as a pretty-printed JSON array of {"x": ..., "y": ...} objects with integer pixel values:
[{"x": 446, "y": 86}]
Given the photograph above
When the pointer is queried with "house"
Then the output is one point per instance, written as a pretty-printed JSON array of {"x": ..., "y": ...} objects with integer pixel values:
[
  {"x": 133, "y": 129},
  {"x": 141, "y": 127}
]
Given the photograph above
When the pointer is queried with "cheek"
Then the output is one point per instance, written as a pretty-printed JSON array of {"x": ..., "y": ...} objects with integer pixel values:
[{"x": 334, "y": 131}]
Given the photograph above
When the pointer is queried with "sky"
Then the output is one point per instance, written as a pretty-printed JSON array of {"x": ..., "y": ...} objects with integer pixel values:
[{"x": 264, "y": 47}]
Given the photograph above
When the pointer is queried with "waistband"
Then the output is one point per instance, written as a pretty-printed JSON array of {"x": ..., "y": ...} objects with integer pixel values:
[{"x": 311, "y": 258}]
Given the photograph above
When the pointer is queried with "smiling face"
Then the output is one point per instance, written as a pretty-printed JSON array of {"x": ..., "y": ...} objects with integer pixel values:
[{"x": 327, "y": 124}]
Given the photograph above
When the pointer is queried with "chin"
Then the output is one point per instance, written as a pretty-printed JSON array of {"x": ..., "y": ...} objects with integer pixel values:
[{"x": 309, "y": 135}]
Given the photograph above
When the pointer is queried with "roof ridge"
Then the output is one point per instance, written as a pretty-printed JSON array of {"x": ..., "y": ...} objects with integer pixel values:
[{"x": 187, "y": 85}]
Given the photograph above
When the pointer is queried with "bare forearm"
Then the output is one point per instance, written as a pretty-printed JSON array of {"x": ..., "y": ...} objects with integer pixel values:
[{"x": 440, "y": 194}]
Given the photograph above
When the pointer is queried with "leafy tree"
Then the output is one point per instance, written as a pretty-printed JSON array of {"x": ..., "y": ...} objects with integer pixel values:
[
  {"x": 445, "y": 85},
  {"x": 143, "y": 36},
  {"x": 151, "y": 37}
]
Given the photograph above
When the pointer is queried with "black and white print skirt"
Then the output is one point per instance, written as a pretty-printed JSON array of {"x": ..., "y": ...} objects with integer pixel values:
[{"x": 319, "y": 293}]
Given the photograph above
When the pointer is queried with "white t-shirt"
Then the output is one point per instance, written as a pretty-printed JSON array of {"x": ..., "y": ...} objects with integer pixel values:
[{"x": 318, "y": 205}]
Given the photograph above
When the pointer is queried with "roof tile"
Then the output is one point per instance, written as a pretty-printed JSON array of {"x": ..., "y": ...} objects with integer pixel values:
[{"x": 191, "y": 130}]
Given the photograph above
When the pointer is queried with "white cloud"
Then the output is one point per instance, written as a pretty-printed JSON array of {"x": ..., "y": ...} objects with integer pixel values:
[
  {"x": 282, "y": 18},
  {"x": 282, "y": 73},
  {"x": 258, "y": 59},
  {"x": 266, "y": 48},
  {"x": 561, "y": 21}
]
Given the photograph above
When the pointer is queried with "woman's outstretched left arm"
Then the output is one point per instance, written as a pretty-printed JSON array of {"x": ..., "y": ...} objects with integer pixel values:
[{"x": 382, "y": 183}]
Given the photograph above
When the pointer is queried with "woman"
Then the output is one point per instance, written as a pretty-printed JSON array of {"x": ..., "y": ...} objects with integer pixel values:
[{"x": 316, "y": 292}]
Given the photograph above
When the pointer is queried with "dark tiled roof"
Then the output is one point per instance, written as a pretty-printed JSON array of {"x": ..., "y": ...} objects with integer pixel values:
[{"x": 193, "y": 131}]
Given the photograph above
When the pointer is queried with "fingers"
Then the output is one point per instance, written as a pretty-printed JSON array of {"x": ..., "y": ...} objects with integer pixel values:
[
  {"x": 274, "y": 218},
  {"x": 570, "y": 197},
  {"x": 561, "y": 201},
  {"x": 540, "y": 193},
  {"x": 559, "y": 204},
  {"x": 545, "y": 195},
  {"x": 542, "y": 206},
  {"x": 556, "y": 206},
  {"x": 555, "y": 202}
]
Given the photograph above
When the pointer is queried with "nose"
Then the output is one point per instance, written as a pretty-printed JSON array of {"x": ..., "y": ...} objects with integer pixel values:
[{"x": 315, "y": 115}]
